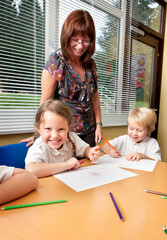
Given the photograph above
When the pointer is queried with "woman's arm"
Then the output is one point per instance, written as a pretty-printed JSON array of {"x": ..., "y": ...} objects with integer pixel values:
[
  {"x": 97, "y": 112},
  {"x": 21, "y": 183},
  {"x": 48, "y": 86}
]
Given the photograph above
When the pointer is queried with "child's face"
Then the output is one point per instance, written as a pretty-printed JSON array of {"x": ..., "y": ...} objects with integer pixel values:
[
  {"x": 53, "y": 130},
  {"x": 137, "y": 133}
]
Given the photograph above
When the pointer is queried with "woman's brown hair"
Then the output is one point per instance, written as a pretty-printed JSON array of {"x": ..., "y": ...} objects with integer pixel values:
[{"x": 78, "y": 22}]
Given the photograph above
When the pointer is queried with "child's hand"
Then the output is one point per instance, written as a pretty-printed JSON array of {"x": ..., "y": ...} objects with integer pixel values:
[
  {"x": 114, "y": 153},
  {"x": 134, "y": 156},
  {"x": 72, "y": 163},
  {"x": 94, "y": 153}
]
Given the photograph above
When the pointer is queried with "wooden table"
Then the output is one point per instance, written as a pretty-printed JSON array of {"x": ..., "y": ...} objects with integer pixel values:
[{"x": 90, "y": 214}]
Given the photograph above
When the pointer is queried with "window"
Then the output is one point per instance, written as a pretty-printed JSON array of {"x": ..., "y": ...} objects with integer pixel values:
[
  {"x": 30, "y": 31},
  {"x": 110, "y": 21},
  {"x": 21, "y": 63},
  {"x": 150, "y": 14}
]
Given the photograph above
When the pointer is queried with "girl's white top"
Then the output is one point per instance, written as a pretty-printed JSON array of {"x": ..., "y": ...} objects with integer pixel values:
[
  {"x": 41, "y": 152},
  {"x": 5, "y": 173}
]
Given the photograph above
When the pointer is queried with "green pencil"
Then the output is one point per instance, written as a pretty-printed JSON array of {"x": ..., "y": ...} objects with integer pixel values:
[
  {"x": 165, "y": 229},
  {"x": 33, "y": 204},
  {"x": 164, "y": 197}
]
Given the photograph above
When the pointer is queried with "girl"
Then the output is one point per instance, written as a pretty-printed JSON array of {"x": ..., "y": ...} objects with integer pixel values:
[
  {"x": 137, "y": 144},
  {"x": 56, "y": 149},
  {"x": 15, "y": 182}
]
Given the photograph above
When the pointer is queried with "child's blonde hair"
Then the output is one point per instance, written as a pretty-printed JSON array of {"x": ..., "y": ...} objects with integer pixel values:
[
  {"x": 58, "y": 108},
  {"x": 144, "y": 117}
]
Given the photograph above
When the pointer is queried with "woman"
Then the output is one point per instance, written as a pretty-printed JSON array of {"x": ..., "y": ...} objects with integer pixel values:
[{"x": 70, "y": 75}]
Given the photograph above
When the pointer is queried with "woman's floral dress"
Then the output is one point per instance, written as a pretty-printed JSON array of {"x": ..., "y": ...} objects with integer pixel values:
[{"x": 74, "y": 92}]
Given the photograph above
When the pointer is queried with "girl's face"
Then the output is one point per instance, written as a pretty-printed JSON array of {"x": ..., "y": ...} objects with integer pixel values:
[
  {"x": 79, "y": 45},
  {"x": 53, "y": 130},
  {"x": 137, "y": 133}
]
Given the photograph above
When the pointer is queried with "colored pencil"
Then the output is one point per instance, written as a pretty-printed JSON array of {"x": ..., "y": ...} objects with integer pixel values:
[
  {"x": 116, "y": 207},
  {"x": 165, "y": 229},
  {"x": 110, "y": 144},
  {"x": 33, "y": 204},
  {"x": 154, "y": 192},
  {"x": 82, "y": 161},
  {"x": 102, "y": 144}
]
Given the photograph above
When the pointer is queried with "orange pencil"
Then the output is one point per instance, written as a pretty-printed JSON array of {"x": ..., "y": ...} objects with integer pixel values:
[
  {"x": 100, "y": 146},
  {"x": 110, "y": 144}
]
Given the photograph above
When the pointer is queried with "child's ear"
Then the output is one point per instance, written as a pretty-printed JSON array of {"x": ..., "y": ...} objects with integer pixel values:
[
  {"x": 149, "y": 132},
  {"x": 37, "y": 129}
]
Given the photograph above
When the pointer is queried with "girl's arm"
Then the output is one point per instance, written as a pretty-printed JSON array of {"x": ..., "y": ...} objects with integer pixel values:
[
  {"x": 97, "y": 112},
  {"x": 21, "y": 183},
  {"x": 47, "y": 169},
  {"x": 92, "y": 153}
]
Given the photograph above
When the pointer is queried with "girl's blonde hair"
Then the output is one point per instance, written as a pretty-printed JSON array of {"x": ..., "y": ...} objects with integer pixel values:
[
  {"x": 144, "y": 117},
  {"x": 58, "y": 108}
]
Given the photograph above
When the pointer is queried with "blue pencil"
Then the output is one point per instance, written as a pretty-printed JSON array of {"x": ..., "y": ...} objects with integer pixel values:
[{"x": 117, "y": 209}]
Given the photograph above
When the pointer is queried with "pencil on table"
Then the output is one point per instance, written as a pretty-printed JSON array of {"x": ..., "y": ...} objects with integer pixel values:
[
  {"x": 116, "y": 207},
  {"x": 154, "y": 192},
  {"x": 33, "y": 204}
]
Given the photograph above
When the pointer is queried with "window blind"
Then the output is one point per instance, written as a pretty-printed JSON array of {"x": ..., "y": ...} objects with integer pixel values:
[
  {"x": 30, "y": 31},
  {"x": 112, "y": 50},
  {"x": 22, "y": 52}
]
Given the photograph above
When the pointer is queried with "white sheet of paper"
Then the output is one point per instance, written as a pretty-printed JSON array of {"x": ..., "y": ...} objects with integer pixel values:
[
  {"x": 93, "y": 176},
  {"x": 144, "y": 164}
]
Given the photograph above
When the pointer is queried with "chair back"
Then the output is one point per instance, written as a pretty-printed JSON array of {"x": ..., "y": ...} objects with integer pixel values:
[{"x": 13, "y": 155}]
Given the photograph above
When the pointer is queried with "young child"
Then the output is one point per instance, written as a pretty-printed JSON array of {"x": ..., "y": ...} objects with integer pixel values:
[
  {"x": 137, "y": 144},
  {"x": 56, "y": 149},
  {"x": 15, "y": 182}
]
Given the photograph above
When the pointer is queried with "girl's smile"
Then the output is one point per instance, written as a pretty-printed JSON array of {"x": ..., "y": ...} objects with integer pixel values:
[{"x": 53, "y": 130}]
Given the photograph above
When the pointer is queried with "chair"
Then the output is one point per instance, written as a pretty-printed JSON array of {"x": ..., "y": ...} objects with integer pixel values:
[{"x": 13, "y": 155}]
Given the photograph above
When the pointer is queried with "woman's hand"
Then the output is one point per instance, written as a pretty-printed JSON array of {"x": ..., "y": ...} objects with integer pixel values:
[
  {"x": 29, "y": 141},
  {"x": 98, "y": 134}
]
